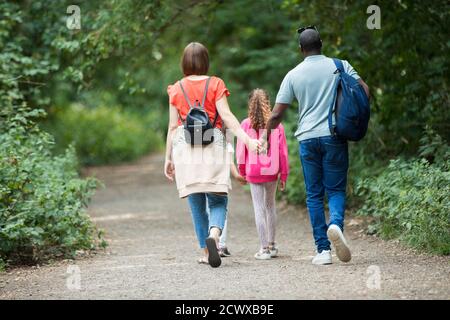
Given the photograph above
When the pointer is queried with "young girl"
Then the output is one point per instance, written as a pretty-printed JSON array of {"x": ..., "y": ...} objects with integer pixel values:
[{"x": 263, "y": 171}]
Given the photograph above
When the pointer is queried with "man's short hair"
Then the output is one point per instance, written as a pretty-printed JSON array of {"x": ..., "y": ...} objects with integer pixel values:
[{"x": 310, "y": 40}]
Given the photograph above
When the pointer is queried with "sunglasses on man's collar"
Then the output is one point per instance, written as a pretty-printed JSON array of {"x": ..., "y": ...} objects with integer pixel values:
[{"x": 300, "y": 30}]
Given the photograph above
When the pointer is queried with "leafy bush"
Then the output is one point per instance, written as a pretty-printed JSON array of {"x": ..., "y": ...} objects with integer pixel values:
[
  {"x": 434, "y": 148},
  {"x": 103, "y": 134},
  {"x": 410, "y": 200},
  {"x": 42, "y": 200}
]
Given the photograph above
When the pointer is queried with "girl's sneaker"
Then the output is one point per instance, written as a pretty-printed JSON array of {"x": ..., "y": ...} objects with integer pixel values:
[
  {"x": 273, "y": 251},
  {"x": 224, "y": 252},
  {"x": 263, "y": 255}
]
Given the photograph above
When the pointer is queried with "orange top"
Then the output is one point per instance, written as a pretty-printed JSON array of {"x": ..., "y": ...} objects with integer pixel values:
[{"x": 195, "y": 90}]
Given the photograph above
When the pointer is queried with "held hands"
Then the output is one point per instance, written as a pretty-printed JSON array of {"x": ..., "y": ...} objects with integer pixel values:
[
  {"x": 264, "y": 144},
  {"x": 236, "y": 175},
  {"x": 169, "y": 170},
  {"x": 254, "y": 145},
  {"x": 241, "y": 180}
]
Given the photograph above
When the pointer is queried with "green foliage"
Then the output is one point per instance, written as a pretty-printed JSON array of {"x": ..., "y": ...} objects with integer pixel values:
[
  {"x": 410, "y": 200},
  {"x": 434, "y": 148},
  {"x": 2, "y": 265},
  {"x": 104, "y": 134},
  {"x": 295, "y": 186},
  {"x": 42, "y": 200}
]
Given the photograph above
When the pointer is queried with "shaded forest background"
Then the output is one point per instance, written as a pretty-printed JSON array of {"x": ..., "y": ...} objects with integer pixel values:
[{"x": 98, "y": 95}]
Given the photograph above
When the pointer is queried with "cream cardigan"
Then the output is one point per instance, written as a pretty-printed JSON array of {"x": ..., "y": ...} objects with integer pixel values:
[{"x": 201, "y": 168}]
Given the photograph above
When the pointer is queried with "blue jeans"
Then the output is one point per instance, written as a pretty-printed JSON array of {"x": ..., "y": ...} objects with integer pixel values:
[
  {"x": 325, "y": 165},
  {"x": 203, "y": 221}
]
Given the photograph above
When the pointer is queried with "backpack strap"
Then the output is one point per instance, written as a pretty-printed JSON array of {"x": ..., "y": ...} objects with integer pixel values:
[
  {"x": 179, "y": 117},
  {"x": 204, "y": 99},
  {"x": 340, "y": 70},
  {"x": 185, "y": 95},
  {"x": 215, "y": 119},
  {"x": 205, "y": 93},
  {"x": 339, "y": 65}
]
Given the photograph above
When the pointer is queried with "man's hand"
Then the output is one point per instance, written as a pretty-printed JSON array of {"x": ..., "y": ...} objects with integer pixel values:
[
  {"x": 282, "y": 186},
  {"x": 169, "y": 169},
  {"x": 274, "y": 121}
]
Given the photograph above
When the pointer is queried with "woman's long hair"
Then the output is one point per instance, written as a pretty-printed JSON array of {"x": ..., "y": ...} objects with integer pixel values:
[{"x": 258, "y": 108}]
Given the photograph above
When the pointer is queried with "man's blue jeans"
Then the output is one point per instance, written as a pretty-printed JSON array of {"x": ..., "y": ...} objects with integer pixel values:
[
  {"x": 325, "y": 165},
  {"x": 203, "y": 221}
]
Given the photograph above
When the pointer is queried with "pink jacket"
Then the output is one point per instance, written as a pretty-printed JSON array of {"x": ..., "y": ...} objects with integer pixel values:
[{"x": 264, "y": 167}]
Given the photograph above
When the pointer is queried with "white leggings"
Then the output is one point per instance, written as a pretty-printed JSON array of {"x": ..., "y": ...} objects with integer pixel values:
[{"x": 263, "y": 196}]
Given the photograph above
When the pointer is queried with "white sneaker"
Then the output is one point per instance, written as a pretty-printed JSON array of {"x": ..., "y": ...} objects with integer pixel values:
[
  {"x": 322, "y": 258},
  {"x": 336, "y": 236},
  {"x": 273, "y": 251},
  {"x": 263, "y": 255}
]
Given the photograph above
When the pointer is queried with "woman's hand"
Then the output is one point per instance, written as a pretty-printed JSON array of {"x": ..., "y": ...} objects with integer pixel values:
[
  {"x": 282, "y": 185},
  {"x": 233, "y": 124},
  {"x": 169, "y": 169}
]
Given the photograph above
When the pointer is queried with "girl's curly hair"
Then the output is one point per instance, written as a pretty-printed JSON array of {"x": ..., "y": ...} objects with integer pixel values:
[{"x": 258, "y": 108}]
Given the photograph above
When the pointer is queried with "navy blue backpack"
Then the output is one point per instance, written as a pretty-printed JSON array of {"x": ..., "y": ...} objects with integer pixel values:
[{"x": 351, "y": 107}]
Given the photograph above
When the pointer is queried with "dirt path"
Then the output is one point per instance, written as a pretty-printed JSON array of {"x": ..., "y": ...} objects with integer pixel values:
[{"x": 152, "y": 254}]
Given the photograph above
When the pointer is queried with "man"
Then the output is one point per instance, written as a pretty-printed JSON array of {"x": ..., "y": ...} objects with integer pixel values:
[{"x": 324, "y": 157}]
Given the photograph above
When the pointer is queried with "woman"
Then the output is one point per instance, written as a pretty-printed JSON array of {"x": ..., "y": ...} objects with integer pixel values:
[{"x": 204, "y": 183}]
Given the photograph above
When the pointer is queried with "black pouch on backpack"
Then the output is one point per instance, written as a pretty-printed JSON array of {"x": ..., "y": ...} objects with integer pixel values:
[{"x": 198, "y": 129}]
